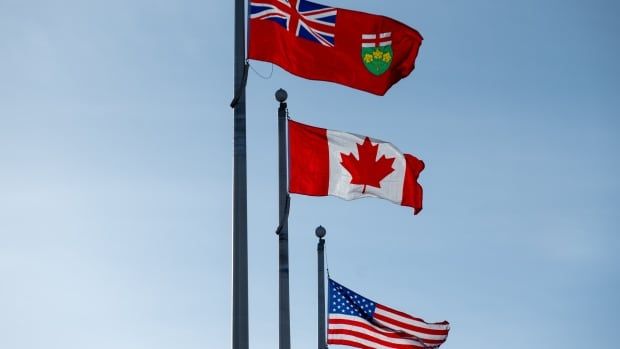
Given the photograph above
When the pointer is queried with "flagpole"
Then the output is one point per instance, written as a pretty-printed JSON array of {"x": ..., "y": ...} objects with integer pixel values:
[
  {"x": 320, "y": 232},
  {"x": 283, "y": 281},
  {"x": 239, "y": 229}
]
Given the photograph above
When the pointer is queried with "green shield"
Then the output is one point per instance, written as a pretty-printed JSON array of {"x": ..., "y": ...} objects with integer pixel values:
[{"x": 377, "y": 59}]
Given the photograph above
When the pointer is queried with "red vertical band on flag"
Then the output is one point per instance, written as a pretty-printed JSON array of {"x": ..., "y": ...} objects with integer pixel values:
[
  {"x": 308, "y": 159},
  {"x": 412, "y": 190}
]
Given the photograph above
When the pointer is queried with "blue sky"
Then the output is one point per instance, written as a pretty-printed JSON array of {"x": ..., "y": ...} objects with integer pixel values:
[{"x": 116, "y": 164}]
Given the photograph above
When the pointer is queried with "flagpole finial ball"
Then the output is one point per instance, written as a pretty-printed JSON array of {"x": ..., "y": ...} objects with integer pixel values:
[
  {"x": 281, "y": 95},
  {"x": 320, "y": 232}
]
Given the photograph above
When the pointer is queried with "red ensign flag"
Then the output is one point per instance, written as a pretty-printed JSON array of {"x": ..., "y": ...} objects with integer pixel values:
[{"x": 360, "y": 50}]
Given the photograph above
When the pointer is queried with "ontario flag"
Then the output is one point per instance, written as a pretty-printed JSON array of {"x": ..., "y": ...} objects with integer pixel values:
[
  {"x": 357, "y": 321},
  {"x": 360, "y": 50},
  {"x": 349, "y": 166}
]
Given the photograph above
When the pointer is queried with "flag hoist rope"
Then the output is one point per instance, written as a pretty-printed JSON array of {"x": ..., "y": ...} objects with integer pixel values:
[
  {"x": 241, "y": 89},
  {"x": 286, "y": 212}
]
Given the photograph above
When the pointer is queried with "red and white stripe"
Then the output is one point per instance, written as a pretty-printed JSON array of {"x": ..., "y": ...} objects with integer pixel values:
[
  {"x": 356, "y": 332},
  {"x": 432, "y": 334}
]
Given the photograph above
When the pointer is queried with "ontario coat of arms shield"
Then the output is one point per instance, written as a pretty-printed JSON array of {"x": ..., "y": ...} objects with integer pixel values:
[{"x": 377, "y": 52}]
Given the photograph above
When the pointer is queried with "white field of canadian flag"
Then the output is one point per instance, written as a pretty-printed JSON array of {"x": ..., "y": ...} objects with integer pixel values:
[{"x": 349, "y": 166}]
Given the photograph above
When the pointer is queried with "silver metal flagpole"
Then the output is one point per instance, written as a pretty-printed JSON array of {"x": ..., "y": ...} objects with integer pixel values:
[
  {"x": 283, "y": 283},
  {"x": 240, "y": 222},
  {"x": 320, "y": 232}
]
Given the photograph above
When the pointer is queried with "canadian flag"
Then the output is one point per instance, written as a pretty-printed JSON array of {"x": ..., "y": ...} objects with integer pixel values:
[{"x": 326, "y": 162}]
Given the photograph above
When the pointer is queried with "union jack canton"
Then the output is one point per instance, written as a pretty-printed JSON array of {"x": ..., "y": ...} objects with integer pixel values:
[{"x": 308, "y": 20}]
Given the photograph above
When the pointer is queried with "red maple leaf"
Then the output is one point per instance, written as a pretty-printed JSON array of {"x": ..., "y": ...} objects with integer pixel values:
[{"x": 367, "y": 170}]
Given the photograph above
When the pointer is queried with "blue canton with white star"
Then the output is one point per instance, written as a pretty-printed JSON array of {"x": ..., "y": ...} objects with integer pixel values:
[{"x": 344, "y": 301}]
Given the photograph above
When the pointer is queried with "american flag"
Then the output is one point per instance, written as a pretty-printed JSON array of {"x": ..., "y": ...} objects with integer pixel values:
[
  {"x": 308, "y": 20},
  {"x": 359, "y": 322}
]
